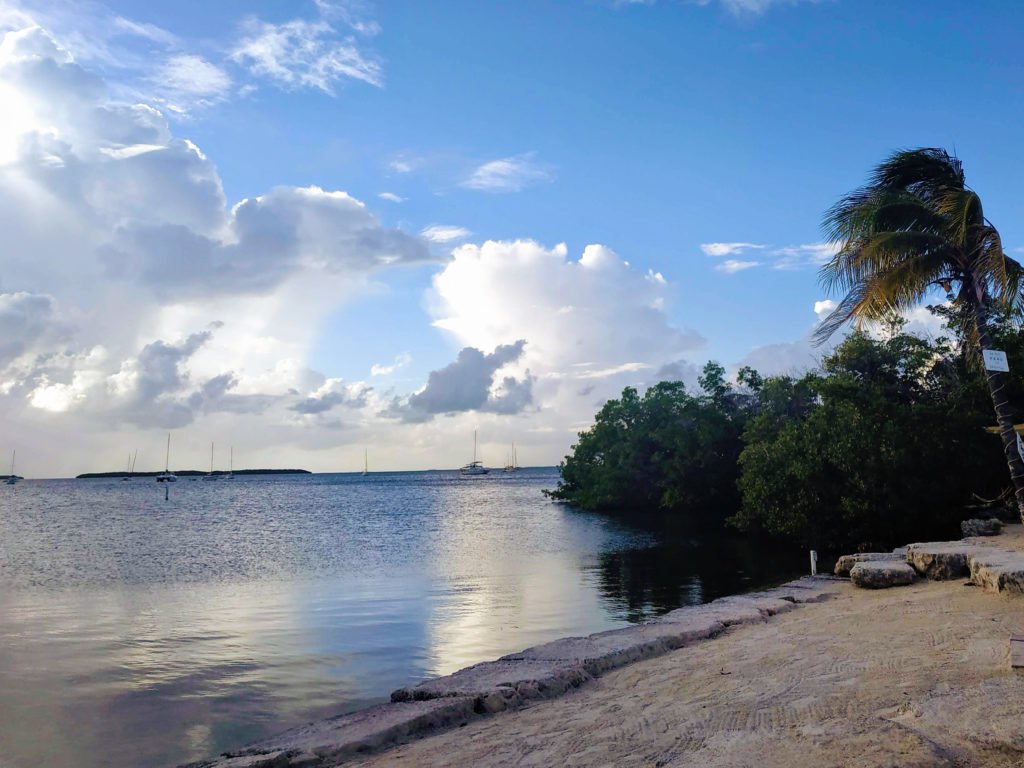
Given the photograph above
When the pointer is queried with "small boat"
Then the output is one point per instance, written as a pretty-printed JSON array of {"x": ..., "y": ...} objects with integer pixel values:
[
  {"x": 231, "y": 472},
  {"x": 512, "y": 466},
  {"x": 366, "y": 462},
  {"x": 210, "y": 475},
  {"x": 131, "y": 466},
  {"x": 474, "y": 467},
  {"x": 167, "y": 476},
  {"x": 12, "y": 478}
]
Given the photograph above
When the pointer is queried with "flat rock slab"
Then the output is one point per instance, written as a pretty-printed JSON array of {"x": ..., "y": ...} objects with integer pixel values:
[
  {"x": 807, "y": 589},
  {"x": 604, "y": 651},
  {"x": 872, "y": 574},
  {"x": 845, "y": 563},
  {"x": 327, "y": 742},
  {"x": 498, "y": 685},
  {"x": 729, "y": 611},
  {"x": 941, "y": 560}
]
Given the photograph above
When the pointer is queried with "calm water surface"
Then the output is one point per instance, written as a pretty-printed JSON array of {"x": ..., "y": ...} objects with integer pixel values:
[{"x": 143, "y": 632}]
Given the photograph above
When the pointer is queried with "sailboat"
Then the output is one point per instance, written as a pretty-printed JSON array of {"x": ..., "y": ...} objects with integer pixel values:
[
  {"x": 231, "y": 472},
  {"x": 474, "y": 467},
  {"x": 128, "y": 470},
  {"x": 210, "y": 476},
  {"x": 366, "y": 462},
  {"x": 167, "y": 476},
  {"x": 512, "y": 466},
  {"x": 12, "y": 478}
]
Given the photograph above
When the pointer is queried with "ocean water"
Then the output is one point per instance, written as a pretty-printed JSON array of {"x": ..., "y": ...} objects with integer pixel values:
[{"x": 143, "y": 632}]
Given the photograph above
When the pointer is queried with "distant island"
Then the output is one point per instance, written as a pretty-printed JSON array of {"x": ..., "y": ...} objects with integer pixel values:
[{"x": 192, "y": 473}]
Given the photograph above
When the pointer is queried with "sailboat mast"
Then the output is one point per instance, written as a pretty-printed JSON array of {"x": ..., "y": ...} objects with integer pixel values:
[
  {"x": 167, "y": 459},
  {"x": 366, "y": 461},
  {"x": 211, "y": 458},
  {"x": 474, "y": 445},
  {"x": 232, "y": 459}
]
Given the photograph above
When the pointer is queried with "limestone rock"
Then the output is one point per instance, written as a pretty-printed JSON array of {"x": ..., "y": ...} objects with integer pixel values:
[
  {"x": 806, "y": 589},
  {"x": 940, "y": 560},
  {"x": 977, "y": 527},
  {"x": 502, "y": 684},
  {"x": 997, "y": 570},
  {"x": 845, "y": 563},
  {"x": 880, "y": 574},
  {"x": 604, "y": 651},
  {"x": 328, "y": 742}
]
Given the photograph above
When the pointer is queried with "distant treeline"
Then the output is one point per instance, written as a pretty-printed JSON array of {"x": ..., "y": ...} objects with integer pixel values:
[
  {"x": 885, "y": 443},
  {"x": 193, "y": 473}
]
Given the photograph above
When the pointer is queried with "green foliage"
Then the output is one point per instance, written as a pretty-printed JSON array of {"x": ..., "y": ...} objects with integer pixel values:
[
  {"x": 913, "y": 228},
  {"x": 666, "y": 450},
  {"x": 883, "y": 445},
  {"x": 881, "y": 448}
]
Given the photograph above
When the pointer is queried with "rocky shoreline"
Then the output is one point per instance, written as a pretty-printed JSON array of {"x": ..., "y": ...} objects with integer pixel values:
[
  {"x": 553, "y": 670},
  {"x": 542, "y": 672}
]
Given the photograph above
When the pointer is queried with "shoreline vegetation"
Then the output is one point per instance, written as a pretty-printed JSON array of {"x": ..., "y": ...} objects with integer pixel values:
[
  {"x": 885, "y": 442},
  {"x": 192, "y": 473}
]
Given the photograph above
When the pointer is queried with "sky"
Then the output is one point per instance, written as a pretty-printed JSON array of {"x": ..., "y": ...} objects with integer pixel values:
[{"x": 314, "y": 228}]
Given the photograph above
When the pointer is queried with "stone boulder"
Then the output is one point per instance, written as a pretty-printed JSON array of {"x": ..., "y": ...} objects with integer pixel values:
[
  {"x": 880, "y": 574},
  {"x": 845, "y": 563},
  {"x": 997, "y": 570},
  {"x": 978, "y": 527},
  {"x": 941, "y": 560}
]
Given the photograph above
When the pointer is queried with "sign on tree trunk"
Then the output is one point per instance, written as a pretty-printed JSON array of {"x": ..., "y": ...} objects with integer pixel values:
[{"x": 995, "y": 360}]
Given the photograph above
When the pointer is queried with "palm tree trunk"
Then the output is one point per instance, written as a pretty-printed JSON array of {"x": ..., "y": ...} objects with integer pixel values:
[{"x": 997, "y": 388}]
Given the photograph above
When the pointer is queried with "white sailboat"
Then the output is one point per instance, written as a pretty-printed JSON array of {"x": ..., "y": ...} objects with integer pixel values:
[
  {"x": 210, "y": 475},
  {"x": 366, "y": 462},
  {"x": 231, "y": 472},
  {"x": 512, "y": 465},
  {"x": 167, "y": 476},
  {"x": 12, "y": 478},
  {"x": 474, "y": 467}
]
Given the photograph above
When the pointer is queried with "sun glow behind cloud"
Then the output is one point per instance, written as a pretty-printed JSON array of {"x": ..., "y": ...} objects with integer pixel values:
[{"x": 18, "y": 120}]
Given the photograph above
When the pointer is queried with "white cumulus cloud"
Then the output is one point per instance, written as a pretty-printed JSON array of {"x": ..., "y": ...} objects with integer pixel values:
[{"x": 136, "y": 296}]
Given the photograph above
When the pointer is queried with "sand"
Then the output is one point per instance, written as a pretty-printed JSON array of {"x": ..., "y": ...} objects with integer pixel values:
[{"x": 910, "y": 676}]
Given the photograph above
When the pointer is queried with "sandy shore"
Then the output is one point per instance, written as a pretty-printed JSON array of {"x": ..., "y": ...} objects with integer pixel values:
[{"x": 909, "y": 676}]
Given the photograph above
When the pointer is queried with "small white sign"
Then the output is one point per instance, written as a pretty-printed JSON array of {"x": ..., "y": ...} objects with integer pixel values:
[{"x": 995, "y": 360}]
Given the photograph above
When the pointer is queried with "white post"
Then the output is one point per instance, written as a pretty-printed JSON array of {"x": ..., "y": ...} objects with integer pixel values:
[{"x": 814, "y": 563}]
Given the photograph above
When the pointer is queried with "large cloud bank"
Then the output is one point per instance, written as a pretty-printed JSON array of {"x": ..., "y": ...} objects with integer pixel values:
[{"x": 135, "y": 298}]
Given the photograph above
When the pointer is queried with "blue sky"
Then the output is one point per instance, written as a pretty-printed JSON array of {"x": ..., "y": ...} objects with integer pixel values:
[
  {"x": 699, "y": 141},
  {"x": 664, "y": 126}
]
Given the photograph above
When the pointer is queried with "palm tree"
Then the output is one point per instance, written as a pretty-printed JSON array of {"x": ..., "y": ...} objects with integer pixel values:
[{"x": 915, "y": 227}]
